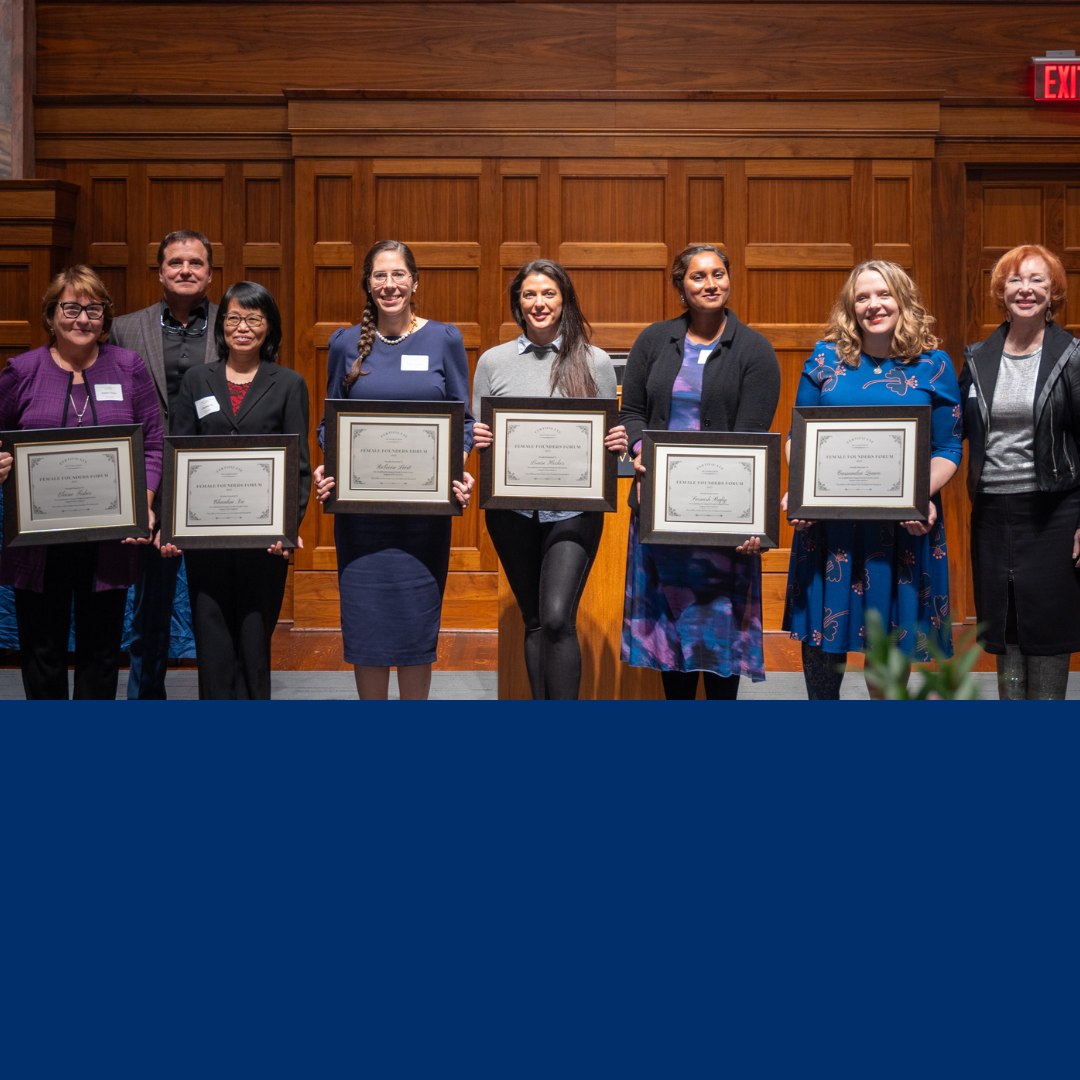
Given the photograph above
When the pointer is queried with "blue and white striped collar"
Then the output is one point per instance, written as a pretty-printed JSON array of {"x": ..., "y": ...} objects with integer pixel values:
[{"x": 524, "y": 345}]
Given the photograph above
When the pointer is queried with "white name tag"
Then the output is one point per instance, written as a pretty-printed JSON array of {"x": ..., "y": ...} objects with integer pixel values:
[
  {"x": 108, "y": 391},
  {"x": 414, "y": 363},
  {"x": 206, "y": 405},
  {"x": 703, "y": 355},
  {"x": 971, "y": 391}
]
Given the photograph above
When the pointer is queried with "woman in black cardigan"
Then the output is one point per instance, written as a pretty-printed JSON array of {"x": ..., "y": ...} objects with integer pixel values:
[
  {"x": 1020, "y": 391},
  {"x": 696, "y": 609},
  {"x": 236, "y": 595}
]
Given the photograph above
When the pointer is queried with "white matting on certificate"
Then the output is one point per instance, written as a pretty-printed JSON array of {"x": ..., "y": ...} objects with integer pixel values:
[
  {"x": 219, "y": 494},
  {"x": 863, "y": 465},
  {"x": 400, "y": 458},
  {"x": 75, "y": 485}
]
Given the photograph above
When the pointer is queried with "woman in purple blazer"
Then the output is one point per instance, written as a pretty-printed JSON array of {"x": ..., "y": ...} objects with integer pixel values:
[{"x": 77, "y": 381}]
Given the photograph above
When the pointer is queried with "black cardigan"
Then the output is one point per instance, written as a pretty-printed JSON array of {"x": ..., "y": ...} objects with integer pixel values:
[
  {"x": 276, "y": 403},
  {"x": 740, "y": 386}
]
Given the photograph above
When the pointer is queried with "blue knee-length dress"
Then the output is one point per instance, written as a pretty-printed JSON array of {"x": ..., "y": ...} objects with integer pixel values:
[
  {"x": 839, "y": 569},
  {"x": 392, "y": 567}
]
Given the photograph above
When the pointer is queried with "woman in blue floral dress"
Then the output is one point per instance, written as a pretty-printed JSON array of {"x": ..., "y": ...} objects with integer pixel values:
[
  {"x": 690, "y": 609},
  {"x": 878, "y": 350}
]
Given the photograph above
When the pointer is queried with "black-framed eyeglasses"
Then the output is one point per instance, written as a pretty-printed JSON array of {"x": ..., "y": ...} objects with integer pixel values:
[
  {"x": 178, "y": 329},
  {"x": 71, "y": 310}
]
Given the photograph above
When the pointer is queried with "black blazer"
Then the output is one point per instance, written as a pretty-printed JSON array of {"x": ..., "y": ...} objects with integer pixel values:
[
  {"x": 740, "y": 386},
  {"x": 276, "y": 403},
  {"x": 1055, "y": 420}
]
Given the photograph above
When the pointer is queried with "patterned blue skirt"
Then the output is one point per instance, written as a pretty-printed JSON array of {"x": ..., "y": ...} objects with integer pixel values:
[
  {"x": 692, "y": 609},
  {"x": 839, "y": 569}
]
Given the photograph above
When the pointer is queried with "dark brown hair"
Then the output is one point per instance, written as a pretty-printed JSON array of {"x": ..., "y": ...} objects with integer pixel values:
[
  {"x": 570, "y": 371},
  {"x": 369, "y": 321},
  {"x": 80, "y": 279},
  {"x": 682, "y": 262}
]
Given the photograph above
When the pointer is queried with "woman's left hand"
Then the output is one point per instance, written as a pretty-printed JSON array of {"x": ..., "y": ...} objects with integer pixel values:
[
  {"x": 921, "y": 528},
  {"x": 463, "y": 489},
  {"x": 750, "y": 547},
  {"x": 277, "y": 549},
  {"x": 143, "y": 539},
  {"x": 1076, "y": 547},
  {"x": 616, "y": 440}
]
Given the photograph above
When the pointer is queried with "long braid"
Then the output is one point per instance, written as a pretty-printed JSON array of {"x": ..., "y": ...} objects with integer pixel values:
[{"x": 368, "y": 325}]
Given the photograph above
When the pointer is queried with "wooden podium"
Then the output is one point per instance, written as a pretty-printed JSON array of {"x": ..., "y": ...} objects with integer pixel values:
[{"x": 599, "y": 625}]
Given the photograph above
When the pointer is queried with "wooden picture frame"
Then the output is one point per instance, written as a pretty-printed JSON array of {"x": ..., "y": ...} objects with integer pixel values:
[
  {"x": 403, "y": 456},
  {"x": 883, "y": 449},
  {"x": 710, "y": 488},
  {"x": 548, "y": 453},
  {"x": 221, "y": 492},
  {"x": 73, "y": 485}
]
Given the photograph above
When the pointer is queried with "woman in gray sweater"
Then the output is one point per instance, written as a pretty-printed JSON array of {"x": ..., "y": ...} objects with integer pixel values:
[{"x": 547, "y": 554}]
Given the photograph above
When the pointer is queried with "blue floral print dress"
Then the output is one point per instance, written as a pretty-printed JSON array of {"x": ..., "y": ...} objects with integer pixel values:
[
  {"x": 689, "y": 608},
  {"x": 839, "y": 569}
]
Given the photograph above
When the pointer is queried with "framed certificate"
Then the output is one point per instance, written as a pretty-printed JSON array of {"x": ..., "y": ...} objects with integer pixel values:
[
  {"x": 549, "y": 454},
  {"x": 710, "y": 489},
  {"x": 860, "y": 462},
  {"x": 68, "y": 485},
  {"x": 230, "y": 491},
  {"x": 394, "y": 457}
]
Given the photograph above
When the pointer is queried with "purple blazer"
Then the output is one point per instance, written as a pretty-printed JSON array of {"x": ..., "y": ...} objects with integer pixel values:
[{"x": 33, "y": 394}]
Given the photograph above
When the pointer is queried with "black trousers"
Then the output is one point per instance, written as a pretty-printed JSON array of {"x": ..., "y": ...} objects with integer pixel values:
[
  {"x": 235, "y": 602},
  {"x": 44, "y": 623},
  {"x": 547, "y": 566}
]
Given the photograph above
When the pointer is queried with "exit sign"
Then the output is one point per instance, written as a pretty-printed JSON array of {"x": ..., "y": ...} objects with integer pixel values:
[{"x": 1057, "y": 76}]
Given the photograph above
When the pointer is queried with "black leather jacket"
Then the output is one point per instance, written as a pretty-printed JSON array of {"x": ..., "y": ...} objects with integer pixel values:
[{"x": 1056, "y": 416}]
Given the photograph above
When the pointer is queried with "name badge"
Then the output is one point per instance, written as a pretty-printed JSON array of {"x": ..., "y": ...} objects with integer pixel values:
[
  {"x": 414, "y": 363},
  {"x": 109, "y": 391},
  {"x": 703, "y": 355},
  {"x": 971, "y": 391},
  {"x": 204, "y": 406}
]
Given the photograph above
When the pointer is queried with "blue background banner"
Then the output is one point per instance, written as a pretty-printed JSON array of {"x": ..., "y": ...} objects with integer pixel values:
[{"x": 592, "y": 890}]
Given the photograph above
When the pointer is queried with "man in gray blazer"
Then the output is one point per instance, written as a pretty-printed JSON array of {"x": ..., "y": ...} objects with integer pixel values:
[{"x": 171, "y": 336}]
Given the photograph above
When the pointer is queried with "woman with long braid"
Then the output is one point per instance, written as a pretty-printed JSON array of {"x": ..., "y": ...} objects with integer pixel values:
[{"x": 392, "y": 567}]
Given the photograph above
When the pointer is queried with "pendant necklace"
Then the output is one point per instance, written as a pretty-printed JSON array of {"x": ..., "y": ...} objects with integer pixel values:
[
  {"x": 398, "y": 340},
  {"x": 79, "y": 415}
]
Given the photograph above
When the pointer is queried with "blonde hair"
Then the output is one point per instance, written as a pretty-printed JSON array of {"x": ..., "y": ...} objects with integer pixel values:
[
  {"x": 914, "y": 327},
  {"x": 80, "y": 279},
  {"x": 1009, "y": 264}
]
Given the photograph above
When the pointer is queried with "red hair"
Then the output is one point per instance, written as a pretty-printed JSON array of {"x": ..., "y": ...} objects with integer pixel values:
[{"x": 1009, "y": 264}]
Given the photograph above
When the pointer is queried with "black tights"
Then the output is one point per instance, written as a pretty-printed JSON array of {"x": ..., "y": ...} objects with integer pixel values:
[
  {"x": 682, "y": 685},
  {"x": 547, "y": 566},
  {"x": 823, "y": 672}
]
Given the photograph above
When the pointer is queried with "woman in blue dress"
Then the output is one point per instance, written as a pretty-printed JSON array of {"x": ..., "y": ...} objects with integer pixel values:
[
  {"x": 879, "y": 349},
  {"x": 689, "y": 609},
  {"x": 392, "y": 567}
]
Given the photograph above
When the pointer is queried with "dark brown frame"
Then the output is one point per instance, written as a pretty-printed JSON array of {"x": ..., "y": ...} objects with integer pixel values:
[
  {"x": 608, "y": 503},
  {"x": 855, "y": 413},
  {"x": 650, "y": 440},
  {"x": 213, "y": 444},
  {"x": 455, "y": 410},
  {"x": 107, "y": 433}
]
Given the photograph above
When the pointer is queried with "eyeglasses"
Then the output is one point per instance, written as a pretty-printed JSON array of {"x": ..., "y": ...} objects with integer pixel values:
[
  {"x": 73, "y": 311},
  {"x": 253, "y": 321},
  {"x": 396, "y": 276}
]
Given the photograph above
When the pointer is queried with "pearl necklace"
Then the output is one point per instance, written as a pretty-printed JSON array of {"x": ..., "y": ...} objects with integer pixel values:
[{"x": 398, "y": 340}]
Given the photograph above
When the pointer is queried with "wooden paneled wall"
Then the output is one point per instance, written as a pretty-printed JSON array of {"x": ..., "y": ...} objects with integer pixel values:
[{"x": 748, "y": 124}]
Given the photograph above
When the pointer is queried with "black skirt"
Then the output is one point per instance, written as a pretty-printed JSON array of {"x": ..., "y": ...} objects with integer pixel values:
[{"x": 1028, "y": 538}]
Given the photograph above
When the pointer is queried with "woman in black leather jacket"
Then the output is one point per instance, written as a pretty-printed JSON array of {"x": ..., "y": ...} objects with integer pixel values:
[{"x": 1021, "y": 414}]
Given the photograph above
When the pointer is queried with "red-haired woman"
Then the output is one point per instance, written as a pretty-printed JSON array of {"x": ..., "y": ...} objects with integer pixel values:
[{"x": 1021, "y": 393}]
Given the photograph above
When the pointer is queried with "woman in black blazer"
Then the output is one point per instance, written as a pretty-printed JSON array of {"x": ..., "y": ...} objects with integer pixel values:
[
  {"x": 691, "y": 609},
  {"x": 236, "y": 595}
]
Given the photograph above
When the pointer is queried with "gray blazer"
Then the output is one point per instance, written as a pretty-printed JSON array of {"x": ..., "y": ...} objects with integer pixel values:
[{"x": 141, "y": 333}]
